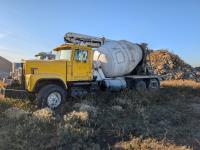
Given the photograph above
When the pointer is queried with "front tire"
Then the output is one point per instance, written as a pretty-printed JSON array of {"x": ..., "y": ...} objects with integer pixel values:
[{"x": 52, "y": 96}]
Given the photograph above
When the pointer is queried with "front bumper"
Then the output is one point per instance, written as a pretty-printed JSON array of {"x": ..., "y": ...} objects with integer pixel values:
[{"x": 16, "y": 94}]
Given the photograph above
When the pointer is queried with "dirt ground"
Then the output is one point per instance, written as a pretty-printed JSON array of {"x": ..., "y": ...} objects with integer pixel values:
[{"x": 166, "y": 119}]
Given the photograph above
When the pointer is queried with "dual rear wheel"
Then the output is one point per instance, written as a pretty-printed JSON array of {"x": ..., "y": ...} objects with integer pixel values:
[{"x": 142, "y": 85}]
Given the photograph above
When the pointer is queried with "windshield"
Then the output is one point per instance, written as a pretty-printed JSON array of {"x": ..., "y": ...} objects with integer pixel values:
[{"x": 63, "y": 54}]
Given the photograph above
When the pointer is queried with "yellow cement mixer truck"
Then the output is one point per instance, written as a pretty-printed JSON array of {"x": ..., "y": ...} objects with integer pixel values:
[{"x": 83, "y": 64}]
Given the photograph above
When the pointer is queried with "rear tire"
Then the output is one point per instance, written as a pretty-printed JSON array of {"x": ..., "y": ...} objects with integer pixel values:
[
  {"x": 140, "y": 85},
  {"x": 52, "y": 96},
  {"x": 153, "y": 84}
]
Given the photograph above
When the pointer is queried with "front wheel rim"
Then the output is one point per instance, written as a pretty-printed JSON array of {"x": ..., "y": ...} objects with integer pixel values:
[{"x": 54, "y": 99}]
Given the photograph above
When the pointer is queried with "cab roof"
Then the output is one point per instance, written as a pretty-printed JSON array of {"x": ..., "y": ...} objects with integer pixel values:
[{"x": 71, "y": 46}]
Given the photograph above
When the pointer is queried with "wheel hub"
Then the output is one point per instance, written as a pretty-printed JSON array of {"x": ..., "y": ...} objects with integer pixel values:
[
  {"x": 54, "y": 100},
  {"x": 154, "y": 85}
]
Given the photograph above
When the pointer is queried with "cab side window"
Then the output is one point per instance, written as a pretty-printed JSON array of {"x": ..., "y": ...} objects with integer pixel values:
[{"x": 80, "y": 55}]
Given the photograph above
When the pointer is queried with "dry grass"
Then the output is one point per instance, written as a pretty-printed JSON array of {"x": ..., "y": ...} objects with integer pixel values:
[
  {"x": 22, "y": 104},
  {"x": 1, "y": 84},
  {"x": 167, "y": 119},
  {"x": 148, "y": 144},
  {"x": 181, "y": 84}
]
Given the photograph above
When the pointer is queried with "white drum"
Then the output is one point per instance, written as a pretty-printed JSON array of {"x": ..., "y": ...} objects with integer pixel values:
[{"x": 118, "y": 58}]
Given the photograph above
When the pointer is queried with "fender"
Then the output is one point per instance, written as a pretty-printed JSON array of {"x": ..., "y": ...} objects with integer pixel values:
[{"x": 31, "y": 80}]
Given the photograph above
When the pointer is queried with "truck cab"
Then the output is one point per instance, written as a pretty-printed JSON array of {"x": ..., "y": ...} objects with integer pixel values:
[
  {"x": 78, "y": 59},
  {"x": 72, "y": 65}
]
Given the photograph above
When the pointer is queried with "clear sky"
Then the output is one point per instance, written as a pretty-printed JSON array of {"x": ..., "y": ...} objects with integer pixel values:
[{"x": 31, "y": 26}]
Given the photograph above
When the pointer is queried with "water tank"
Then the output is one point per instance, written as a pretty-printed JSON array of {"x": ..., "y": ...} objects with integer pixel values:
[{"x": 118, "y": 58}]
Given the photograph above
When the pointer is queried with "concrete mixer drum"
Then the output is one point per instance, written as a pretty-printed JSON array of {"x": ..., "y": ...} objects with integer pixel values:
[{"x": 118, "y": 58}]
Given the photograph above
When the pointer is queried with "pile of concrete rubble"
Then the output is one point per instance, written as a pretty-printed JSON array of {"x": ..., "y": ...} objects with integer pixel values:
[{"x": 171, "y": 67}]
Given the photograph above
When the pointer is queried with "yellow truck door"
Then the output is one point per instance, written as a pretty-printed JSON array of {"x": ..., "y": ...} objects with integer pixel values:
[{"x": 82, "y": 65}]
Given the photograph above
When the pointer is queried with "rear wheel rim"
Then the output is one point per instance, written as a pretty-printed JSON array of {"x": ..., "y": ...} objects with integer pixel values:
[
  {"x": 54, "y": 99},
  {"x": 154, "y": 85}
]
